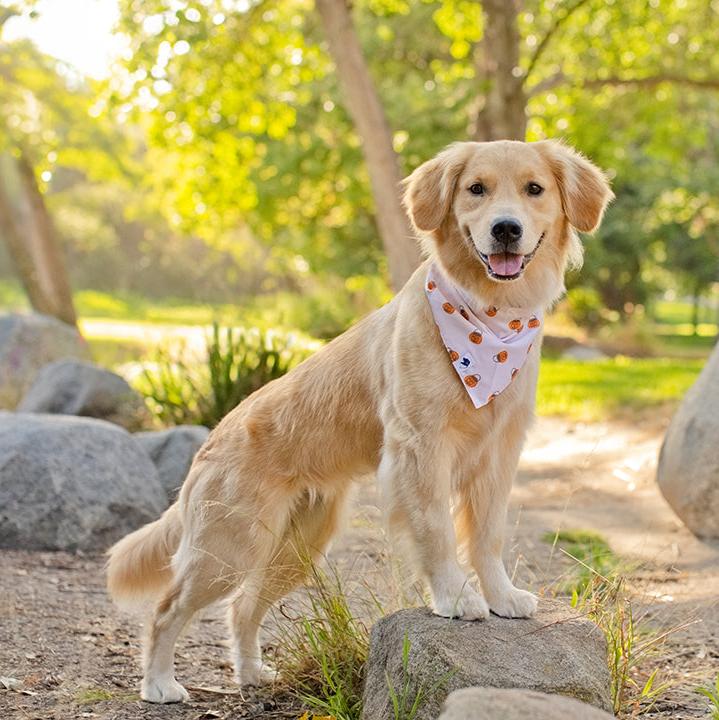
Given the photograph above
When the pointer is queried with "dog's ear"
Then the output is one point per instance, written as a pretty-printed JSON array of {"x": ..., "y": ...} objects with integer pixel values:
[
  {"x": 429, "y": 190},
  {"x": 583, "y": 186}
]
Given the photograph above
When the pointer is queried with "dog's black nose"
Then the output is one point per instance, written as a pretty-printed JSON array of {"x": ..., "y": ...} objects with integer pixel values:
[{"x": 506, "y": 230}]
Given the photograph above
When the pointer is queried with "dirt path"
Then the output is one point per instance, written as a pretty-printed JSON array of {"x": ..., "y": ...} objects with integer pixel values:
[{"x": 76, "y": 656}]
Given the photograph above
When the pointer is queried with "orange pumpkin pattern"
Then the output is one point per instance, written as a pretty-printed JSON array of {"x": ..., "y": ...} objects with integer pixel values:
[{"x": 488, "y": 345}]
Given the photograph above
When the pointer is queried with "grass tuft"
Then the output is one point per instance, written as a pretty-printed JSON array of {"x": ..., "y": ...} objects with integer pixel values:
[
  {"x": 92, "y": 695},
  {"x": 598, "y": 587},
  {"x": 324, "y": 649}
]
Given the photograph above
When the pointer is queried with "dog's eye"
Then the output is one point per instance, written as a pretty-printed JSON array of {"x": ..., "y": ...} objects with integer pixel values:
[
  {"x": 535, "y": 188},
  {"x": 477, "y": 189}
]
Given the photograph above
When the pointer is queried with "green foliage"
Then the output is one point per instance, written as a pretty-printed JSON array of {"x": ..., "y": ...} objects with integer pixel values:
[
  {"x": 218, "y": 160},
  {"x": 712, "y": 693},
  {"x": 585, "y": 307},
  {"x": 180, "y": 389}
]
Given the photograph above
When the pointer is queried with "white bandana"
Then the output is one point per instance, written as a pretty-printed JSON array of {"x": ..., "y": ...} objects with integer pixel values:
[{"x": 487, "y": 349}]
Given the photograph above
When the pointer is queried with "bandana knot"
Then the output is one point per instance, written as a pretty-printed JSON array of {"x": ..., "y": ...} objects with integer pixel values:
[{"x": 487, "y": 347}]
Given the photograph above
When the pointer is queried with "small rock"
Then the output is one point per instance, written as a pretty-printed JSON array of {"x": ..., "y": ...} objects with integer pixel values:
[
  {"x": 688, "y": 469},
  {"x": 555, "y": 652},
  {"x": 69, "y": 483},
  {"x": 27, "y": 343},
  {"x": 172, "y": 452},
  {"x": 583, "y": 353},
  {"x": 478, "y": 703},
  {"x": 71, "y": 387}
]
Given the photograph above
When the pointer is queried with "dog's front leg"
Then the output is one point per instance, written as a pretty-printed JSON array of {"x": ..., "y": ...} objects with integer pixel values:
[
  {"x": 483, "y": 517},
  {"x": 415, "y": 484}
]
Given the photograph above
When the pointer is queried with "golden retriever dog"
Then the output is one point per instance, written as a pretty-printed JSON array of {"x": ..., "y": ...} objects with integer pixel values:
[{"x": 498, "y": 222}]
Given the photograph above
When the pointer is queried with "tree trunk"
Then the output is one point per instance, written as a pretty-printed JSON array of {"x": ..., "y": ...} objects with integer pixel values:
[
  {"x": 30, "y": 237},
  {"x": 502, "y": 115},
  {"x": 367, "y": 113}
]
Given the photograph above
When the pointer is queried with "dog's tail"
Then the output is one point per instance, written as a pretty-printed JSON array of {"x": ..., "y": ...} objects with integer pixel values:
[{"x": 139, "y": 567}]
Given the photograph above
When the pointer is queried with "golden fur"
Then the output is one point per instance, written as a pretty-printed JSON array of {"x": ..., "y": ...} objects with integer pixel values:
[{"x": 269, "y": 484}]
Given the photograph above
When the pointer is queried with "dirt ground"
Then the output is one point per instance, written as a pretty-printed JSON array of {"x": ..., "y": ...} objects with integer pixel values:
[{"x": 74, "y": 655}]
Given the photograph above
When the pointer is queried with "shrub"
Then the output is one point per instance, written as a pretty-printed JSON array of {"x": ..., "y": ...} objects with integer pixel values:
[
  {"x": 585, "y": 307},
  {"x": 182, "y": 389}
]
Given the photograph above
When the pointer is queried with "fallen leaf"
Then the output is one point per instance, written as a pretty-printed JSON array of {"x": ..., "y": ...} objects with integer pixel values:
[{"x": 10, "y": 683}]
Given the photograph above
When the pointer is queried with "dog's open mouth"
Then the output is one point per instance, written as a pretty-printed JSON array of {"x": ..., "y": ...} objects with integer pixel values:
[{"x": 507, "y": 265}]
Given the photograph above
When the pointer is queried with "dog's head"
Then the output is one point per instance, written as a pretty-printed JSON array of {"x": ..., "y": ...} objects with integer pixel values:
[{"x": 500, "y": 216}]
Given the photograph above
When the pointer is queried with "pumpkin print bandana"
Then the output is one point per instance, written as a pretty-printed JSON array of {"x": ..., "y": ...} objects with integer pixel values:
[{"x": 488, "y": 346}]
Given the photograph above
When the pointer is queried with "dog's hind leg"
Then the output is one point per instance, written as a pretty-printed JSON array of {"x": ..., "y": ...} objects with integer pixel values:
[
  {"x": 312, "y": 524},
  {"x": 200, "y": 579}
]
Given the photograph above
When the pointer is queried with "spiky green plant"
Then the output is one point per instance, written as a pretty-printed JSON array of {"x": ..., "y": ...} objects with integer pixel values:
[{"x": 182, "y": 389}]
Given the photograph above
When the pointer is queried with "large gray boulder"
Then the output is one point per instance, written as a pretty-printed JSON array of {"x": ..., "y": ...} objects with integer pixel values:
[
  {"x": 27, "y": 343},
  {"x": 72, "y": 387},
  {"x": 688, "y": 470},
  {"x": 494, "y": 704},
  {"x": 555, "y": 652},
  {"x": 70, "y": 483},
  {"x": 172, "y": 452}
]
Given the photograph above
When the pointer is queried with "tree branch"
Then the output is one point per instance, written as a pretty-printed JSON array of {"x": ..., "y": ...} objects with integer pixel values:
[
  {"x": 614, "y": 81},
  {"x": 653, "y": 80},
  {"x": 556, "y": 25}
]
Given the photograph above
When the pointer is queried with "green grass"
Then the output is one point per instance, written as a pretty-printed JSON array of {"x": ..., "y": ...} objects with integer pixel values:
[
  {"x": 677, "y": 312},
  {"x": 712, "y": 694},
  {"x": 591, "y": 554},
  {"x": 614, "y": 387}
]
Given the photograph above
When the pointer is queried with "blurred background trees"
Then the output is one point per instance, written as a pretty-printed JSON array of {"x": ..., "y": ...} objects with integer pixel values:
[{"x": 239, "y": 148}]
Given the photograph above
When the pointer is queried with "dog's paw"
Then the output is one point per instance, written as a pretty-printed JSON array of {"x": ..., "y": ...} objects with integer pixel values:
[
  {"x": 256, "y": 673},
  {"x": 465, "y": 604},
  {"x": 514, "y": 604},
  {"x": 166, "y": 690}
]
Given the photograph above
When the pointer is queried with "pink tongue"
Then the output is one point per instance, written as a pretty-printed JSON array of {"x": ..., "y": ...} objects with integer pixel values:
[{"x": 506, "y": 263}]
